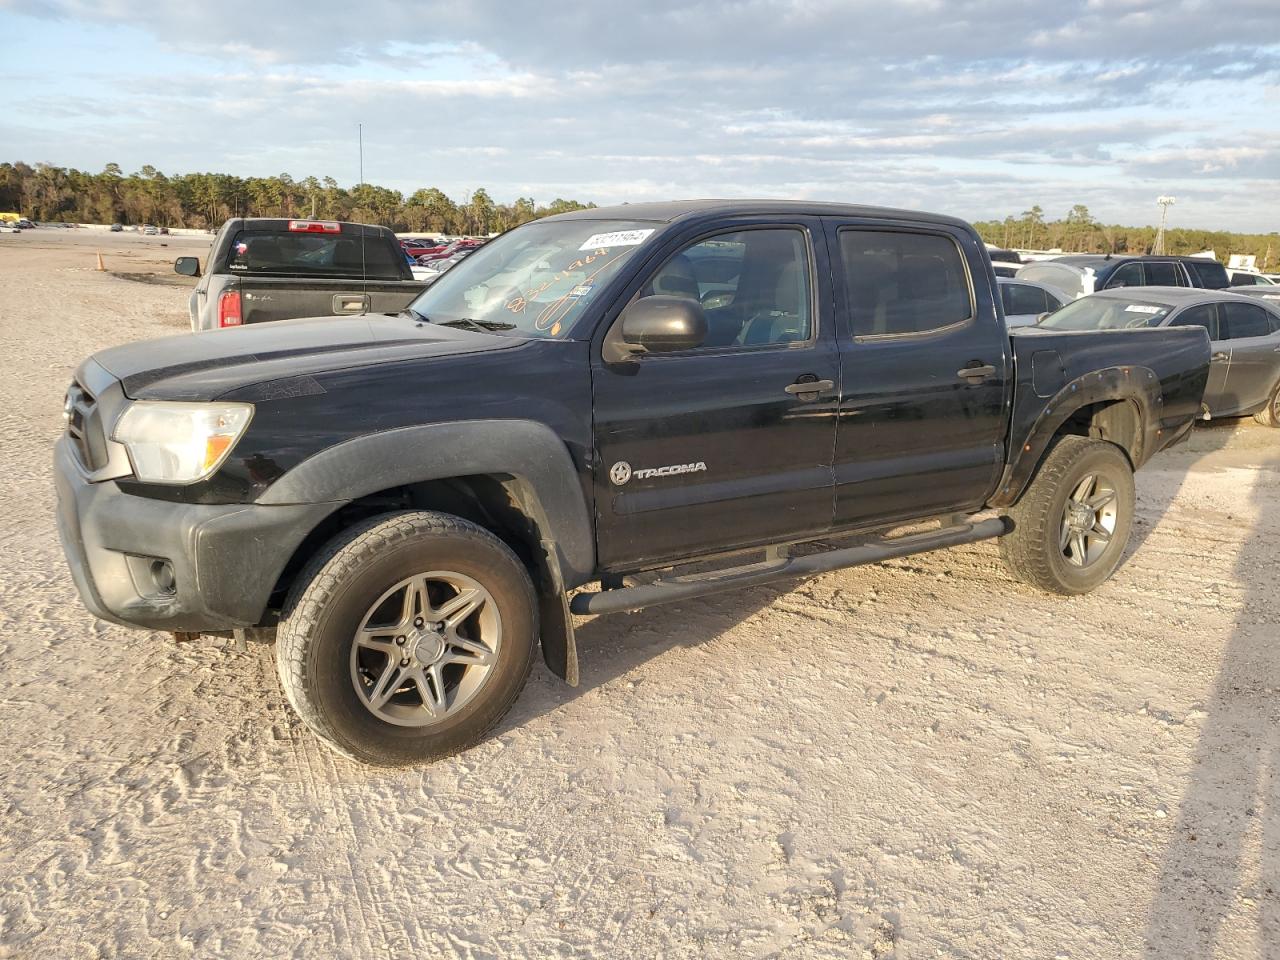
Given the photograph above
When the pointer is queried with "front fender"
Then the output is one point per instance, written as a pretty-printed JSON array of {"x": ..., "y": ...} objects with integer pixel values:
[{"x": 529, "y": 452}]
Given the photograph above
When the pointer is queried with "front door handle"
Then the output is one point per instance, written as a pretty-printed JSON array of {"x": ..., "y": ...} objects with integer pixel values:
[
  {"x": 802, "y": 388},
  {"x": 1220, "y": 357},
  {"x": 976, "y": 373}
]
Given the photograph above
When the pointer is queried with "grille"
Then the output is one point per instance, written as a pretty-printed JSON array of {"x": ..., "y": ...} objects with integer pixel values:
[{"x": 84, "y": 427}]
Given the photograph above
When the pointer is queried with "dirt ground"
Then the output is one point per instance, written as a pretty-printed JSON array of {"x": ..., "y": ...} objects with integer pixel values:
[{"x": 917, "y": 759}]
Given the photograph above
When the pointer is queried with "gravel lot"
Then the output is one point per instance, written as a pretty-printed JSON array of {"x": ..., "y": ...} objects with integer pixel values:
[{"x": 918, "y": 759}]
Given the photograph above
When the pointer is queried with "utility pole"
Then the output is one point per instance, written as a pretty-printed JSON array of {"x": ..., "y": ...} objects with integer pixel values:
[
  {"x": 360, "y": 140},
  {"x": 1165, "y": 203}
]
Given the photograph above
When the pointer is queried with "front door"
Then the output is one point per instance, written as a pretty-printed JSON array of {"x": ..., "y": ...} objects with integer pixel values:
[
  {"x": 925, "y": 373},
  {"x": 727, "y": 445},
  {"x": 1207, "y": 315}
]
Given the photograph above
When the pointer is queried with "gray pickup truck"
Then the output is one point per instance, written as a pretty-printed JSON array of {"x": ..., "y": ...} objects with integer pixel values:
[{"x": 264, "y": 269}]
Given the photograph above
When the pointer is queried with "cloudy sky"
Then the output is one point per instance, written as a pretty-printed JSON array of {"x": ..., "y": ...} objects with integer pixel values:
[{"x": 968, "y": 107}]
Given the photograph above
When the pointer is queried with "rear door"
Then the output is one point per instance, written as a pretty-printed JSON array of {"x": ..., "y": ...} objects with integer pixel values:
[
  {"x": 925, "y": 368},
  {"x": 1253, "y": 337},
  {"x": 730, "y": 444},
  {"x": 1206, "y": 315}
]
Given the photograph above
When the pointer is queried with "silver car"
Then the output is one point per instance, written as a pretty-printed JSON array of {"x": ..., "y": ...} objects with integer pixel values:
[
  {"x": 1025, "y": 300},
  {"x": 1244, "y": 332}
]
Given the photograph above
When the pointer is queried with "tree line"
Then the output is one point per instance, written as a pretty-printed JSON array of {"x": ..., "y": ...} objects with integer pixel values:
[
  {"x": 1078, "y": 232},
  {"x": 205, "y": 200}
]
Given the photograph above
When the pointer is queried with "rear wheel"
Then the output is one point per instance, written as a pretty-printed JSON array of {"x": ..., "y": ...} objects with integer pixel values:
[
  {"x": 407, "y": 638},
  {"x": 1072, "y": 524},
  {"x": 1269, "y": 416}
]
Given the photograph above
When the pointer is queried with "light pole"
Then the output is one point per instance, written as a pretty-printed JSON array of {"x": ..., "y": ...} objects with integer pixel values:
[{"x": 1165, "y": 204}]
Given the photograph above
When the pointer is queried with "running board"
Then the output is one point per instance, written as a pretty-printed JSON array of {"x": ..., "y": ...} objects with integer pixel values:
[{"x": 784, "y": 568}]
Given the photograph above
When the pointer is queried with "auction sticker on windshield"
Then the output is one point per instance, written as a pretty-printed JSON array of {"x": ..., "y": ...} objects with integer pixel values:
[
  {"x": 1141, "y": 308},
  {"x": 622, "y": 238}
]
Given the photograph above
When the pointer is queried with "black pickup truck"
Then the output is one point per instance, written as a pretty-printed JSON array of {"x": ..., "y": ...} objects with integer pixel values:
[
  {"x": 261, "y": 269},
  {"x": 664, "y": 399}
]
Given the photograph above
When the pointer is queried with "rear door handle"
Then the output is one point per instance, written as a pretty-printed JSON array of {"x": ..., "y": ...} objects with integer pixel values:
[
  {"x": 976, "y": 373},
  {"x": 803, "y": 388},
  {"x": 1220, "y": 357}
]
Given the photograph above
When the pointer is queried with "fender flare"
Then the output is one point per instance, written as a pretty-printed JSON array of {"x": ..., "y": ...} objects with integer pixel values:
[
  {"x": 1136, "y": 384},
  {"x": 542, "y": 479},
  {"x": 531, "y": 453}
]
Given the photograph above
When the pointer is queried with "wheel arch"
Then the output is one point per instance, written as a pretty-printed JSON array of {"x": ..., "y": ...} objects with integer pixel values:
[
  {"x": 1120, "y": 405},
  {"x": 515, "y": 478}
]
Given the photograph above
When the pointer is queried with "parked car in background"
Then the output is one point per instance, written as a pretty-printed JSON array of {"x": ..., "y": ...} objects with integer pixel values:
[
  {"x": 117, "y": 228},
  {"x": 1248, "y": 278},
  {"x": 262, "y": 269},
  {"x": 1081, "y": 275},
  {"x": 1025, "y": 301},
  {"x": 150, "y": 230},
  {"x": 9, "y": 226},
  {"x": 1004, "y": 262},
  {"x": 1244, "y": 334}
]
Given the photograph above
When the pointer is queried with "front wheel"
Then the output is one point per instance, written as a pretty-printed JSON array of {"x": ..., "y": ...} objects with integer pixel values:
[
  {"x": 407, "y": 638},
  {"x": 1072, "y": 524}
]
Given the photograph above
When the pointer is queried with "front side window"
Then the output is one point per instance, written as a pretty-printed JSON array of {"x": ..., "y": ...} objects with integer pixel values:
[
  {"x": 536, "y": 280},
  {"x": 1243, "y": 320},
  {"x": 1203, "y": 315},
  {"x": 1106, "y": 313},
  {"x": 903, "y": 283},
  {"x": 753, "y": 286},
  {"x": 1126, "y": 275}
]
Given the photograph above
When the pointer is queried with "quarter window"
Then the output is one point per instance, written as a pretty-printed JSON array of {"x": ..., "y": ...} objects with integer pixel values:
[
  {"x": 903, "y": 283},
  {"x": 1244, "y": 320},
  {"x": 753, "y": 286}
]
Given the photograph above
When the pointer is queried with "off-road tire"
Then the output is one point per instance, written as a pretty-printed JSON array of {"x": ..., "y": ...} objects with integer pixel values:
[
  {"x": 328, "y": 598},
  {"x": 1269, "y": 416},
  {"x": 1032, "y": 552}
]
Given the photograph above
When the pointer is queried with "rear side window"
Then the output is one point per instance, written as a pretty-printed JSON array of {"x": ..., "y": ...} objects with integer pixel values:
[
  {"x": 1210, "y": 273},
  {"x": 903, "y": 283},
  {"x": 1205, "y": 315},
  {"x": 1163, "y": 273},
  {"x": 1022, "y": 298},
  {"x": 1243, "y": 320},
  {"x": 282, "y": 253}
]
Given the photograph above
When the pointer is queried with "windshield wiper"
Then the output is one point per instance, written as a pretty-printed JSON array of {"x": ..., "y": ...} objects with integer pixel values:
[{"x": 484, "y": 326}]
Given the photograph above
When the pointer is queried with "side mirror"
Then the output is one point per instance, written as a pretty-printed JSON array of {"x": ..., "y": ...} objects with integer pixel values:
[
  {"x": 658, "y": 325},
  {"x": 187, "y": 266}
]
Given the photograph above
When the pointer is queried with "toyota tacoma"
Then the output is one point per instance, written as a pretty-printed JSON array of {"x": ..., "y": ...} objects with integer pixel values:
[{"x": 597, "y": 412}]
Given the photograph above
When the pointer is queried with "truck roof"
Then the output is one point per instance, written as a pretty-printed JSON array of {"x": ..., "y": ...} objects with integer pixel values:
[{"x": 668, "y": 211}]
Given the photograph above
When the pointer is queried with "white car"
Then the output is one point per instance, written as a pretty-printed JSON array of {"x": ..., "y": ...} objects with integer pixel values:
[
  {"x": 1025, "y": 300},
  {"x": 8, "y": 226},
  {"x": 1249, "y": 278}
]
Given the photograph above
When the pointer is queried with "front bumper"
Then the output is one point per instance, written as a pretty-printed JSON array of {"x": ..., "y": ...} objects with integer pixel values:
[{"x": 225, "y": 559}]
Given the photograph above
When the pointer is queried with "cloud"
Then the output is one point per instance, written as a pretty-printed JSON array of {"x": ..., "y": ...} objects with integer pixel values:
[{"x": 968, "y": 106}]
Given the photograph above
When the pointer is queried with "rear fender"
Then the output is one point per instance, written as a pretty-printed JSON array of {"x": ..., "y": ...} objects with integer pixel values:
[{"x": 1030, "y": 436}]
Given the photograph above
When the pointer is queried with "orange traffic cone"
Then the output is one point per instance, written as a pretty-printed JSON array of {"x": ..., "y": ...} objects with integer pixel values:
[{"x": 101, "y": 265}]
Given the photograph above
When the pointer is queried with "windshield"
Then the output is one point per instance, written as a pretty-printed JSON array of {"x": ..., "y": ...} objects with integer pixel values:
[
  {"x": 1106, "y": 313},
  {"x": 536, "y": 280}
]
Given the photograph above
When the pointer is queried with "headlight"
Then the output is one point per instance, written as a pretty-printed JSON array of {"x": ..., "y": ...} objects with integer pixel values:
[{"x": 180, "y": 442}]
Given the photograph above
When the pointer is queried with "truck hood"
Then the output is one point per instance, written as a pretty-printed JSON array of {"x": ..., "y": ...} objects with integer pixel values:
[{"x": 206, "y": 365}]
